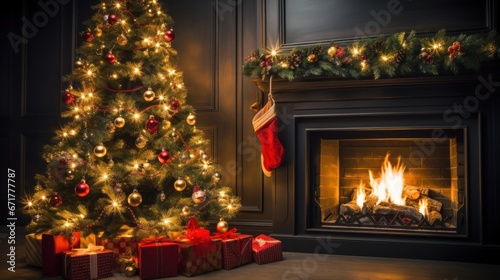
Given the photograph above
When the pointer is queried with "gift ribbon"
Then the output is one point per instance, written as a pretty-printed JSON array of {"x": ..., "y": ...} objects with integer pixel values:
[
  {"x": 91, "y": 251},
  {"x": 159, "y": 256},
  {"x": 198, "y": 236},
  {"x": 261, "y": 242},
  {"x": 226, "y": 235}
]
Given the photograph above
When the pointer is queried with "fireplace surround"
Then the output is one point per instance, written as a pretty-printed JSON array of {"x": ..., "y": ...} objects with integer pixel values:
[{"x": 445, "y": 131}]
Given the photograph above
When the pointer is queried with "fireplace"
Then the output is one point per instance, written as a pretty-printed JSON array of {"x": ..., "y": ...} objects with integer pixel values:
[{"x": 433, "y": 136}]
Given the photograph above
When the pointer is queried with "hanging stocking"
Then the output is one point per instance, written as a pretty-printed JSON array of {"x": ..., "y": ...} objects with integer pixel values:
[{"x": 265, "y": 124}]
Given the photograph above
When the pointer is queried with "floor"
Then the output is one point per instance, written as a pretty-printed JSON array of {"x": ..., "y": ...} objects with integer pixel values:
[{"x": 298, "y": 266}]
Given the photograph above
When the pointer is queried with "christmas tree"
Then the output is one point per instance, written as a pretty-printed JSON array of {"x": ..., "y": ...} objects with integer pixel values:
[{"x": 129, "y": 152}]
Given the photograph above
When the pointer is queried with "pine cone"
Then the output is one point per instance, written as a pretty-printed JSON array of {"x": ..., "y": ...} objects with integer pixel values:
[
  {"x": 400, "y": 55},
  {"x": 295, "y": 60},
  {"x": 376, "y": 47}
]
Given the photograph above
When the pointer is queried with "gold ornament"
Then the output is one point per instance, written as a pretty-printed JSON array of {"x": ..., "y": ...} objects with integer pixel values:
[
  {"x": 100, "y": 150},
  {"x": 149, "y": 95},
  {"x": 166, "y": 124},
  {"x": 180, "y": 185},
  {"x": 186, "y": 211},
  {"x": 134, "y": 199},
  {"x": 284, "y": 64},
  {"x": 119, "y": 122},
  {"x": 216, "y": 177},
  {"x": 130, "y": 271},
  {"x": 122, "y": 40},
  {"x": 140, "y": 142},
  {"x": 222, "y": 226},
  {"x": 332, "y": 51},
  {"x": 191, "y": 119},
  {"x": 312, "y": 58},
  {"x": 98, "y": 31}
]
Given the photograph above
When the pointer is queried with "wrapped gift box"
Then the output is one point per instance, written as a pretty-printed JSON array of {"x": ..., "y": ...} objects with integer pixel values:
[
  {"x": 88, "y": 264},
  {"x": 123, "y": 244},
  {"x": 236, "y": 251},
  {"x": 266, "y": 249},
  {"x": 199, "y": 258},
  {"x": 52, "y": 248},
  {"x": 158, "y": 258},
  {"x": 33, "y": 243}
]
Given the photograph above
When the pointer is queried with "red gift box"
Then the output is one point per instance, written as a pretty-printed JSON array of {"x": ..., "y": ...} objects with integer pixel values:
[
  {"x": 33, "y": 244},
  {"x": 266, "y": 249},
  {"x": 195, "y": 259},
  {"x": 236, "y": 250},
  {"x": 158, "y": 258},
  {"x": 92, "y": 263},
  {"x": 52, "y": 248},
  {"x": 120, "y": 245}
]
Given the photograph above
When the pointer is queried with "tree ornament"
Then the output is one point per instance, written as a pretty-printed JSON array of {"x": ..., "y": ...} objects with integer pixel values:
[
  {"x": 112, "y": 19},
  {"x": 180, "y": 185},
  {"x": 163, "y": 196},
  {"x": 455, "y": 50},
  {"x": 217, "y": 176},
  {"x": 69, "y": 175},
  {"x": 191, "y": 119},
  {"x": 340, "y": 52},
  {"x": 135, "y": 198},
  {"x": 98, "y": 31},
  {"x": 165, "y": 124},
  {"x": 222, "y": 226},
  {"x": 119, "y": 122},
  {"x": 141, "y": 142},
  {"x": 100, "y": 150},
  {"x": 68, "y": 98},
  {"x": 118, "y": 188},
  {"x": 130, "y": 271},
  {"x": 428, "y": 58},
  {"x": 36, "y": 218},
  {"x": 186, "y": 211},
  {"x": 332, "y": 51},
  {"x": 149, "y": 95},
  {"x": 122, "y": 40},
  {"x": 164, "y": 156},
  {"x": 38, "y": 187},
  {"x": 111, "y": 127},
  {"x": 82, "y": 189},
  {"x": 110, "y": 58},
  {"x": 312, "y": 58},
  {"x": 198, "y": 195},
  {"x": 152, "y": 124},
  {"x": 175, "y": 104},
  {"x": 79, "y": 63},
  {"x": 169, "y": 35},
  {"x": 55, "y": 200},
  {"x": 87, "y": 36},
  {"x": 173, "y": 136}
]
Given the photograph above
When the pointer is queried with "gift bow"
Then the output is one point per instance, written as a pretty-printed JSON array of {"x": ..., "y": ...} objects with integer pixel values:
[
  {"x": 155, "y": 240},
  {"x": 226, "y": 235},
  {"x": 196, "y": 234},
  {"x": 90, "y": 248},
  {"x": 261, "y": 242}
]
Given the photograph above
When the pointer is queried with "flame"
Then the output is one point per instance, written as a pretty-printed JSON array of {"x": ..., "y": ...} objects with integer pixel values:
[
  {"x": 422, "y": 207},
  {"x": 360, "y": 195},
  {"x": 389, "y": 187}
]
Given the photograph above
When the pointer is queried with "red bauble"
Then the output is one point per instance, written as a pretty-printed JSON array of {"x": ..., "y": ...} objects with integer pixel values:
[
  {"x": 169, "y": 35},
  {"x": 112, "y": 19},
  {"x": 55, "y": 200},
  {"x": 82, "y": 189},
  {"x": 164, "y": 156},
  {"x": 152, "y": 124},
  {"x": 175, "y": 104},
  {"x": 87, "y": 36},
  {"x": 68, "y": 98},
  {"x": 110, "y": 58}
]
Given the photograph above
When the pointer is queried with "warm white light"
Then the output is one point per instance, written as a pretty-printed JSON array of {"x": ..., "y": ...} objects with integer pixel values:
[
  {"x": 136, "y": 116},
  {"x": 43, "y": 197},
  {"x": 115, "y": 204},
  {"x": 274, "y": 52},
  {"x": 105, "y": 176},
  {"x": 30, "y": 203},
  {"x": 65, "y": 134},
  {"x": 166, "y": 221},
  {"x": 72, "y": 132}
]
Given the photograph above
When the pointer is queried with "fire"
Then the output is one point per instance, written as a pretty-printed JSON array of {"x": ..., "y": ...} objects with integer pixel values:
[
  {"x": 360, "y": 195},
  {"x": 422, "y": 207},
  {"x": 389, "y": 187}
]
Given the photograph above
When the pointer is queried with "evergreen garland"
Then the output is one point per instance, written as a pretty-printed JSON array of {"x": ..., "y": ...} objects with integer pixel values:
[{"x": 397, "y": 55}]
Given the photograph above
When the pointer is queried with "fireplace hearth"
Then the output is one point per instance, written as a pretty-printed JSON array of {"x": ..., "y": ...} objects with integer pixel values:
[{"x": 343, "y": 137}]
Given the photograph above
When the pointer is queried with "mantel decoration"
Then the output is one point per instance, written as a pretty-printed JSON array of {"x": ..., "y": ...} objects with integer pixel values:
[{"x": 397, "y": 55}]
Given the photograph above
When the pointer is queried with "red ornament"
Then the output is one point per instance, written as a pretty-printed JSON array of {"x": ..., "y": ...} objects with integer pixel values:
[
  {"x": 82, "y": 189},
  {"x": 152, "y": 124},
  {"x": 55, "y": 200},
  {"x": 87, "y": 36},
  {"x": 428, "y": 58},
  {"x": 112, "y": 19},
  {"x": 110, "y": 58},
  {"x": 68, "y": 98},
  {"x": 164, "y": 156},
  {"x": 169, "y": 35},
  {"x": 340, "y": 52},
  {"x": 175, "y": 104}
]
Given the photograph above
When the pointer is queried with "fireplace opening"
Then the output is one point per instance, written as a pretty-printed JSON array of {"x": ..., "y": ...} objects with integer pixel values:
[{"x": 409, "y": 180}]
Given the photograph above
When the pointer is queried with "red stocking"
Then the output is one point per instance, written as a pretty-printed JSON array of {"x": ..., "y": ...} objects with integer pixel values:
[{"x": 265, "y": 124}]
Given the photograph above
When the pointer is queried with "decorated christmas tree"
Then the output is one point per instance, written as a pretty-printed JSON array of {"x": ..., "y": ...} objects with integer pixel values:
[{"x": 129, "y": 153}]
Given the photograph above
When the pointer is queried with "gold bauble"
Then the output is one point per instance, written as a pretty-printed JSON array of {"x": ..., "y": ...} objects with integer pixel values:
[
  {"x": 149, "y": 95},
  {"x": 332, "y": 51},
  {"x": 141, "y": 142},
  {"x": 222, "y": 226},
  {"x": 100, "y": 150},
  {"x": 135, "y": 199},
  {"x": 312, "y": 58},
  {"x": 186, "y": 211},
  {"x": 166, "y": 124},
  {"x": 119, "y": 122},
  {"x": 191, "y": 119},
  {"x": 180, "y": 185},
  {"x": 98, "y": 31},
  {"x": 122, "y": 40},
  {"x": 130, "y": 271}
]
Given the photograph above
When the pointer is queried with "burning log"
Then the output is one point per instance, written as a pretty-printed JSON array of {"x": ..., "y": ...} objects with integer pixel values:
[
  {"x": 393, "y": 210},
  {"x": 434, "y": 216},
  {"x": 350, "y": 208},
  {"x": 370, "y": 202},
  {"x": 432, "y": 204},
  {"x": 414, "y": 193}
]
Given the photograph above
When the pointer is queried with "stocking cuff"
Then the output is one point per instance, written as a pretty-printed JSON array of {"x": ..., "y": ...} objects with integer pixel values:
[{"x": 265, "y": 115}]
